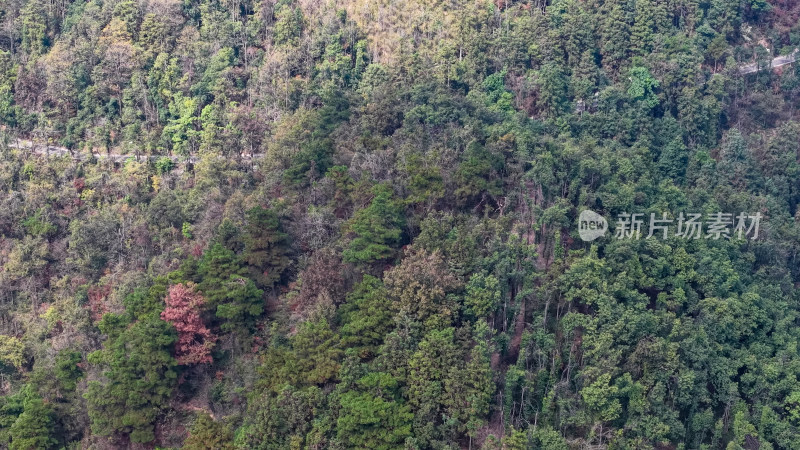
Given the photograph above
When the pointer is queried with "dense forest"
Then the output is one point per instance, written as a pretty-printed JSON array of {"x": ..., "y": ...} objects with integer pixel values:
[{"x": 354, "y": 224}]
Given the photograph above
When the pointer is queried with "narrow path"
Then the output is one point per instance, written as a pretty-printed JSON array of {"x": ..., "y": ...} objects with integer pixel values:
[
  {"x": 776, "y": 62},
  {"x": 52, "y": 150}
]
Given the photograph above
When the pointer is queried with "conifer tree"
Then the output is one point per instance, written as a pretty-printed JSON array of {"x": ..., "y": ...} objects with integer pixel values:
[
  {"x": 230, "y": 293},
  {"x": 615, "y": 32},
  {"x": 373, "y": 415},
  {"x": 376, "y": 229},
  {"x": 266, "y": 247},
  {"x": 139, "y": 375},
  {"x": 34, "y": 428},
  {"x": 366, "y": 319}
]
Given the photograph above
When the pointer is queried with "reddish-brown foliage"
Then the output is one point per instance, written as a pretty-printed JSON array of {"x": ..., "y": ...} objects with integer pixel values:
[
  {"x": 785, "y": 14},
  {"x": 80, "y": 184},
  {"x": 97, "y": 300},
  {"x": 323, "y": 278},
  {"x": 195, "y": 340},
  {"x": 197, "y": 250}
]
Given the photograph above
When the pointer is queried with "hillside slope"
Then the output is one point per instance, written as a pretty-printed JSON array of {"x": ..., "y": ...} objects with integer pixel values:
[{"x": 362, "y": 224}]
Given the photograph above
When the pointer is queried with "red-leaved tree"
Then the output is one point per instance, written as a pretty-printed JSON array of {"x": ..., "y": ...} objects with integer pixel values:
[
  {"x": 195, "y": 340},
  {"x": 97, "y": 300}
]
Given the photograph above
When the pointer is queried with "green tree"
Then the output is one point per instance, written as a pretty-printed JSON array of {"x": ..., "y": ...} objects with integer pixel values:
[
  {"x": 373, "y": 415},
  {"x": 208, "y": 434},
  {"x": 642, "y": 86},
  {"x": 431, "y": 372},
  {"x": 139, "y": 376},
  {"x": 376, "y": 229},
  {"x": 183, "y": 130},
  {"x": 365, "y": 317},
  {"x": 228, "y": 291},
  {"x": 27, "y": 421},
  {"x": 477, "y": 175},
  {"x": 11, "y": 351},
  {"x": 600, "y": 398},
  {"x": 546, "y": 437},
  {"x": 418, "y": 289},
  {"x": 265, "y": 247},
  {"x": 317, "y": 352},
  {"x": 515, "y": 440},
  {"x": 482, "y": 295}
]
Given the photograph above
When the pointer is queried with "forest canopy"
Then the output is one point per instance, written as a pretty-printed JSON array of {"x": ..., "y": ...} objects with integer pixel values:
[{"x": 279, "y": 224}]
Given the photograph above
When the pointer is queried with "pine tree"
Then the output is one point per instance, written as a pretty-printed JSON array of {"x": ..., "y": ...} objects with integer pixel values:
[
  {"x": 35, "y": 426},
  {"x": 67, "y": 370},
  {"x": 317, "y": 352},
  {"x": 230, "y": 293},
  {"x": 216, "y": 267},
  {"x": 642, "y": 31},
  {"x": 266, "y": 247},
  {"x": 736, "y": 163},
  {"x": 583, "y": 82},
  {"x": 139, "y": 376},
  {"x": 477, "y": 175},
  {"x": 376, "y": 229},
  {"x": 373, "y": 415},
  {"x": 471, "y": 388},
  {"x": 34, "y": 27},
  {"x": 615, "y": 32},
  {"x": 366, "y": 320},
  {"x": 430, "y": 371}
]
